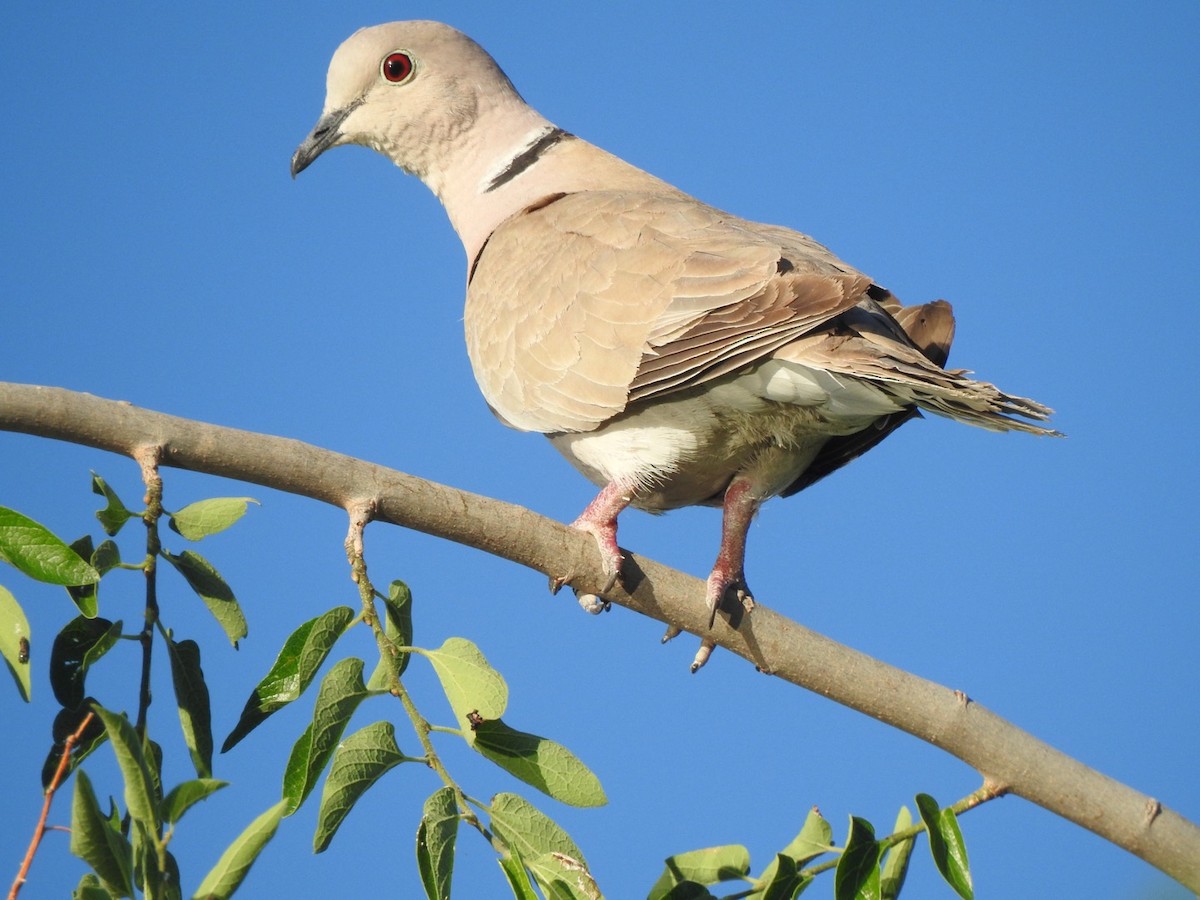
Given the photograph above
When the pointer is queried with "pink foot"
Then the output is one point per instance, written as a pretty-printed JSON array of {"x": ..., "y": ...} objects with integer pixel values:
[
  {"x": 727, "y": 573},
  {"x": 600, "y": 521},
  {"x": 605, "y": 533}
]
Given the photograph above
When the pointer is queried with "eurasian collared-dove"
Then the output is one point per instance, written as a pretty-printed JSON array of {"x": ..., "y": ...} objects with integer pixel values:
[{"x": 676, "y": 354}]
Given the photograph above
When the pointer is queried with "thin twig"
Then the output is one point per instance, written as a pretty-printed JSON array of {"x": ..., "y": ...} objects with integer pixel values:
[
  {"x": 147, "y": 458},
  {"x": 360, "y": 515},
  {"x": 55, "y": 782}
]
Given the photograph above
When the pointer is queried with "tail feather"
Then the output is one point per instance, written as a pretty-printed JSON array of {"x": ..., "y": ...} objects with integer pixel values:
[{"x": 864, "y": 347}]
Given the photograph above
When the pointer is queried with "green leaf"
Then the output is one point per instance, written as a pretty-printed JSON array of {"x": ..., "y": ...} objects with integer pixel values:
[
  {"x": 97, "y": 842},
  {"x": 785, "y": 881},
  {"x": 857, "y": 876},
  {"x": 89, "y": 888},
  {"x": 153, "y": 755},
  {"x": 293, "y": 670},
  {"x": 688, "y": 890},
  {"x": 66, "y": 723},
  {"x": 946, "y": 845},
  {"x": 398, "y": 628},
  {"x": 35, "y": 551},
  {"x": 154, "y": 868},
  {"x": 341, "y": 691},
  {"x": 548, "y": 766},
  {"x": 136, "y": 771},
  {"x": 707, "y": 866},
  {"x": 815, "y": 839},
  {"x": 226, "y": 876},
  {"x": 473, "y": 687},
  {"x": 517, "y": 877},
  {"x": 86, "y": 597},
  {"x": 212, "y": 589},
  {"x": 14, "y": 642},
  {"x": 191, "y": 698},
  {"x": 529, "y": 832},
  {"x": 186, "y": 795},
  {"x": 114, "y": 515},
  {"x": 103, "y": 559},
  {"x": 563, "y": 878},
  {"x": 360, "y": 761},
  {"x": 895, "y": 864},
  {"x": 76, "y": 648},
  {"x": 197, "y": 521},
  {"x": 436, "y": 836}
]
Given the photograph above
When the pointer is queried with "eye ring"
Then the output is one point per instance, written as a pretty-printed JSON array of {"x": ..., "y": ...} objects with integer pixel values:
[{"x": 397, "y": 67}]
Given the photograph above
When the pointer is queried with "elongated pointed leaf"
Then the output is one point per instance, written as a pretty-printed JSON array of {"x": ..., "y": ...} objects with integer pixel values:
[
  {"x": 341, "y": 691},
  {"x": 518, "y": 879},
  {"x": 103, "y": 559},
  {"x": 86, "y": 597},
  {"x": 398, "y": 628},
  {"x": 564, "y": 878},
  {"x": 857, "y": 876},
  {"x": 436, "y": 837},
  {"x": 473, "y": 687},
  {"x": 234, "y": 865},
  {"x": 34, "y": 550},
  {"x": 15, "y": 644},
  {"x": 97, "y": 842},
  {"x": 76, "y": 648},
  {"x": 155, "y": 871},
  {"x": 709, "y": 865},
  {"x": 139, "y": 780},
  {"x": 191, "y": 699},
  {"x": 66, "y": 723},
  {"x": 528, "y": 831},
  {"x": 895, "y": 864},
  {"x": 548, "y": 766},
  {"x": 688, "y": 890},
  {"x": 785, "y": 880},
  {"x": 197, "y": 521},
  {"x": 293, "y": 670},
  {"x": 946, "y": 845},
  {"x": 153, "y": 756},
  {"x": 360, "y": 761},
  {"x": 90, "y": 888},
  {"x": 815, "y": 839},
  {"x": 186, "y": 795},
  {"x": 210, "y": 587},
  {"x": 114, "y": 514}
]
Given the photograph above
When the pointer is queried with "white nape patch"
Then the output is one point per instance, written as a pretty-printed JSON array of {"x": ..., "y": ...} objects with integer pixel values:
[{"x": 502, "y": 165}]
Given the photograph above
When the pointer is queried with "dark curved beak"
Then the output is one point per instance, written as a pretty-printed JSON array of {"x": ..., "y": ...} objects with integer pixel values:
[{"x": 326, "y": 134}]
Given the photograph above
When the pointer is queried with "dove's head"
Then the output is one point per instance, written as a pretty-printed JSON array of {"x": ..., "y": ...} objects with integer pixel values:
[{"x": 412, "y": 91}]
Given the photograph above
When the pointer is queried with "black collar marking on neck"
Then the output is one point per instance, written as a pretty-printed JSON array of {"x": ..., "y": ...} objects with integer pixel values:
[{"x": 528, "y": 157}]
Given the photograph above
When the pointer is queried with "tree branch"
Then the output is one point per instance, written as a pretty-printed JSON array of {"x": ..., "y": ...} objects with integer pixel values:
[{"x": 1008, "y": 758}]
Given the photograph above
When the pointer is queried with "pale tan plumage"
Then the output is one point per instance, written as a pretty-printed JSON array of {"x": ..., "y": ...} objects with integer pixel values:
[{"x": 676, "y": 354}]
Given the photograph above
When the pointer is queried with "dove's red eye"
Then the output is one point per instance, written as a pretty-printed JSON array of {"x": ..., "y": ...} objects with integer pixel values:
[{"x": 397, "y": 67}]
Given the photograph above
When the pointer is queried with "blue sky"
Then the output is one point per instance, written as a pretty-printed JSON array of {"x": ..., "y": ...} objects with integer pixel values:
[{"x": 1033, "y": 163}]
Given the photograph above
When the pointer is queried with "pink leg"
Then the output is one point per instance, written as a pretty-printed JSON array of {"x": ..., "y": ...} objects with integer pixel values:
[
  {"x": 600, "y": 521},
  {"x": 728, "y": 571}
]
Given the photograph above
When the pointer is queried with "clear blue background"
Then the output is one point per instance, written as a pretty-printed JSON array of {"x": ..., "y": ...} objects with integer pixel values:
[{"x": 1034, "y": 163}]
